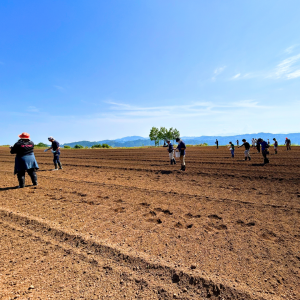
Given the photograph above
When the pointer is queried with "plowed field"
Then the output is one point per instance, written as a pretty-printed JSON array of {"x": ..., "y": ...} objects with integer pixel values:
[{"x": 125, "y": 224}]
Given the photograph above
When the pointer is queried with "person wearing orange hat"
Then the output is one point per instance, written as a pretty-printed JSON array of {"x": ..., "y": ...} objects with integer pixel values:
[
  {"x": 288, "y": 144},
  {"x": 25, "y": 159}
]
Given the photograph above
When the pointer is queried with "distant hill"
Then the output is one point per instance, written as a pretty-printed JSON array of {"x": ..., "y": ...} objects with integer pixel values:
[{"x": 137, "y": 141}]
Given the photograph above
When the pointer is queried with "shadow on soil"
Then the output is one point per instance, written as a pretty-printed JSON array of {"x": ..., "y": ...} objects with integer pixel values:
[{"x": 12, "y": 188}]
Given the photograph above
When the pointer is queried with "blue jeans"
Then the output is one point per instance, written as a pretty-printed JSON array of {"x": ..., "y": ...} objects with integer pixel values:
[
  {"x": 56, "y": 159},
  {"x": 232, "y": 153}
]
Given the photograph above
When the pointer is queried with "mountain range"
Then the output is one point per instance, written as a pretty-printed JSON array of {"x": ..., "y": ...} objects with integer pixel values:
[{"x": 138, "y": 141}]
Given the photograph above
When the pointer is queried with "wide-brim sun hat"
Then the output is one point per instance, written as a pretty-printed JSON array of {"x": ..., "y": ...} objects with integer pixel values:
[
  {"x": 24, "y": 135},
  {"x": 50, "y": 138}
]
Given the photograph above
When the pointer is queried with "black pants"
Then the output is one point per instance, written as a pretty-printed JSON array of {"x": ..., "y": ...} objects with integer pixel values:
[
  {"x": 265, "y": 153},
  {"x": 31, "y": 173},
  {"x": 258, "y": 148}
]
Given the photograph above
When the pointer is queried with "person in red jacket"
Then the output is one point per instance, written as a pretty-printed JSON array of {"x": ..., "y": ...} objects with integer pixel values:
[{"x": 25, "y": 160}]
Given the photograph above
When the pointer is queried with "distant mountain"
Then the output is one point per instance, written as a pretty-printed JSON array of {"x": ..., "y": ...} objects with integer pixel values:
[
  {"x": 137, "y": 141},
  {"x": 130, "y": 138}
]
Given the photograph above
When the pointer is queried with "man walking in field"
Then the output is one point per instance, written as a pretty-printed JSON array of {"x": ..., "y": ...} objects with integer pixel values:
[
  {"x": 181, "y": 148},
  {"x": 237, "y": 143},
  {"x": 275, "y": 145},
  {"x": 217, "y": 143},
  {"x": 247, "y": 149},
  {"x": 56, "y": 152},
  {"x": 171, "y": 153}
]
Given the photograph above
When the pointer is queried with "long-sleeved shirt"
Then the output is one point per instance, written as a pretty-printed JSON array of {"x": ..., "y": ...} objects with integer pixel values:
[
  {"x": 264, "y": 145},
  {"x": 22, "y": 147},
  {"x": 181, "y": 147},
  {"x": 170, "y": 148},
  {"x": 247, "y": 145}
]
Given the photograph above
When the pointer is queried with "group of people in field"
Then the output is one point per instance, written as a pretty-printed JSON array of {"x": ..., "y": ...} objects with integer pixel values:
[
  {"x": 25, "y": 160},
  {"x": 261, "y": 146}
]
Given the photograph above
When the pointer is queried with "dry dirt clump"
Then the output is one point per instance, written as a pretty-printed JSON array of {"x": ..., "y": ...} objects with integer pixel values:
[{"x": 125, "y": 224}]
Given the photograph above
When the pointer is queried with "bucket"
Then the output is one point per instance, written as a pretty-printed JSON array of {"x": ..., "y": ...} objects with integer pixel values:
[{"x": 177, "y": 154}]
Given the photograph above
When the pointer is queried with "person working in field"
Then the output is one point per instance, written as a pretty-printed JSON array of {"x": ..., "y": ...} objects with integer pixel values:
[
  {"x": 247, "y": 149},
  {"x": 217, "y": 143},
  {"x": 231, "y": 147},
  {"x": 56, "y": 152},
  {"x": 181, "y": 148},
  {"x": 25, "y": 160},
  {"x": 171, "y": 153},
  {"x": 288, "y": 144},
  {"x": 275, "y": 145},
  {"x": 264, "y": 150}
]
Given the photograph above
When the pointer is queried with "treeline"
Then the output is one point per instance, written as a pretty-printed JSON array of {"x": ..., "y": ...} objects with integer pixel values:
[{"x": 163, "y": 134}]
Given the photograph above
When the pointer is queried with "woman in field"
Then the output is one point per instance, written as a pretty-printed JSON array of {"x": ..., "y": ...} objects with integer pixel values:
[{"x": 25, "y": 159}]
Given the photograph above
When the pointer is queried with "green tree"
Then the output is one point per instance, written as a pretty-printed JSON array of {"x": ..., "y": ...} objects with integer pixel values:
[
  {"x": 175, "y": 134},
  {"x": 41, "y": 145},
  {"x": 78, "y": 147},
  {"x": 162, "y": 134},
  {"x": 105, "y": 146},
  {"x": 154, "y": 135},
  {"x": 67, "y": 147},
  {"x": 169, "y": 134},
  {"x": 96, "y": 146}
]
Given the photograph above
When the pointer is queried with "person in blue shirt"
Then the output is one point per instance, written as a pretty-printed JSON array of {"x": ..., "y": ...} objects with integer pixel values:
[
  {"x": 56, "y": 152},
  {"x": 264, "y": 150},
  {"x": 181, "y": 148},
  {"x": 171, "y": 153}
]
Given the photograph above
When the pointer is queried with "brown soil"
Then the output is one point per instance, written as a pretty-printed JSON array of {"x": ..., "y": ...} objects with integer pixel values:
[{"x": 125, "y": 224}]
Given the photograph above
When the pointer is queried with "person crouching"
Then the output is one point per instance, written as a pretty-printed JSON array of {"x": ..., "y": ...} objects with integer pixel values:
[
  {"x": 25, "y": 160},
  {"x": 171, "y": 153},
  {"x": 181, "y": 148},
  {"x": 264, "y": 149}
]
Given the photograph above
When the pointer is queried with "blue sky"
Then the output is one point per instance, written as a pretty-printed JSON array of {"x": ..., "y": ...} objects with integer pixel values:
[{"x": 94, "y": 70}]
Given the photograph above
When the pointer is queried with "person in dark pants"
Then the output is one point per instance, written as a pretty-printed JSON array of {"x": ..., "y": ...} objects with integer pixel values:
[
  {"x": 231, "y": 147},
  {"x": 217, "y": 143},
  {"x": 275, "y": 145},
  {"x": 237, "y": 143},
  {"x": 258, "y": 146},
  {"x": 288, "y": 144},
  {"x": 25, "y": 160},
  {"x": 181, "y": 148},
  {"x": 171, "y": 153},
  {"x": 247, "y": 149},
  {"x": 264, "y": 150},
  {"x": 56, "y": 152}
]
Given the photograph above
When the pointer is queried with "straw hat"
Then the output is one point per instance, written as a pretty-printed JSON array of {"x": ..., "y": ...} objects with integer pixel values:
[{"x": 24, "y": 135}]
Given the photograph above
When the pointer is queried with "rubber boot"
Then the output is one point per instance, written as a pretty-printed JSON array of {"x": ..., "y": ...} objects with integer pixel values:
[
  {"x": 246, "y": 158},
  {"x": 55, "y": 167},
  {"x": 33, "y": 177},
  {"x": 275, "y": 151},
  {"x": 21, "y": 179},
  {"x": 174, "y": 161},
  {"x": 171, "y": 161},
  {"x": 183, "y": 168},
  {"x": 249, "y": 157},
  {"x": 60, "y": 166}
]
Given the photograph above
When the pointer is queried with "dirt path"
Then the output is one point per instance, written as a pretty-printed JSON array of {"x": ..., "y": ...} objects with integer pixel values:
[{"x": 126, "y": 224}]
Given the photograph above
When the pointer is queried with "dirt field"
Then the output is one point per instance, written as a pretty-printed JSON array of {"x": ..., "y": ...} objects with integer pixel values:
[{"x": 125, "y": 224}]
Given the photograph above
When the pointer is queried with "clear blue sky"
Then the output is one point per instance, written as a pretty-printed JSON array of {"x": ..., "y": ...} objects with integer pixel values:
[{"x": 94, "y": 70}]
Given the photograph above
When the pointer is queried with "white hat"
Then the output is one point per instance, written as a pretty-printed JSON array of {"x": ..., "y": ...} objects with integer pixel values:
[{"x": 50, "y": 138}]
